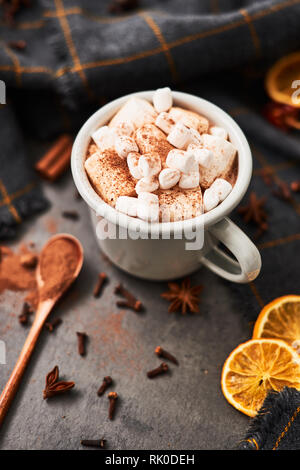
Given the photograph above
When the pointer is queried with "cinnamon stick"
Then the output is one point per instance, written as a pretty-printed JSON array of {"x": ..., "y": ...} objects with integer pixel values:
[{"x": 57, "y": 159}]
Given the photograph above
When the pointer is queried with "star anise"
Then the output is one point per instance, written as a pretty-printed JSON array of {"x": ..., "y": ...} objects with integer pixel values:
[
  {"x": 281, "y": 115},
  {"x": 183, "y": 296},
  {"x": 53, "y": 387},
  {"x": 254, "y": 212},
  {"x": 283, "y": 191},
  {"x": 267, "y": 175}
]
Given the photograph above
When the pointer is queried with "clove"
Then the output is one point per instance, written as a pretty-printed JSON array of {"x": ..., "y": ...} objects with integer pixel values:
[
  {"x": 93, "y": 443},
  {"x": 102, "y": 277},
  {"x": 130, "y": 302},
  {"x": 160, "y": 352},
  {"x": 112, "y": 396},
  {"x": 82, "y": 337},
  {"x": 52, "y": 325},
  {"x": 107, "y": 381},
  {"x": 24, "y": 315},
  {"x": 162, "y": 369}
]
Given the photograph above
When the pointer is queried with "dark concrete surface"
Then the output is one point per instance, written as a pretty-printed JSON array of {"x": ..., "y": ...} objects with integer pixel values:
[{"x": 182, "y": 410}]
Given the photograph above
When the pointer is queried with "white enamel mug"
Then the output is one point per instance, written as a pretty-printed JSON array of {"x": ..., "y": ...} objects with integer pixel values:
[{"x": 163, "y": 255}]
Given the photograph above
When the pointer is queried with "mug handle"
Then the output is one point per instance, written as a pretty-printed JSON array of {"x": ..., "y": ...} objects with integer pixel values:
[{"x": 248, "y": 264}]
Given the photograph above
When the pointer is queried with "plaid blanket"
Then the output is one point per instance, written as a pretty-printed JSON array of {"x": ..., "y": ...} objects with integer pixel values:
[
  {"x": 277, "y": 425},
  {"x": 78, "y": 56}
]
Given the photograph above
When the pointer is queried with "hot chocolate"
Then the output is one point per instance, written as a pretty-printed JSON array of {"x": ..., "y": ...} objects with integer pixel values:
[{"x": 161, "y": 162}]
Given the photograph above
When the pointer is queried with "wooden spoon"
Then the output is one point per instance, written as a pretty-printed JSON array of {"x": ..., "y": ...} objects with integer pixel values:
[{"x": 42, "y": 313}]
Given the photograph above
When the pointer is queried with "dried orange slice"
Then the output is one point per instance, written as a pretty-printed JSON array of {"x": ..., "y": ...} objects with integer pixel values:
[
  {"x": 280, "y": 78},
  {"x": 254, "y": 368},
  {"x": 280, "y": 319}
]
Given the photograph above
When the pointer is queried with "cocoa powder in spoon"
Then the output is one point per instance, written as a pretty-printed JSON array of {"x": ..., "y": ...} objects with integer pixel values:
[
  {"x": 58, "y": 263},
  {"x": 57, "y": 268}
]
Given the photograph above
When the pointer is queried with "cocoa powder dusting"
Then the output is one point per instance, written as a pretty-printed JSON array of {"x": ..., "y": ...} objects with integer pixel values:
[
  {"x": 58, "y": 263},
  {"x": 51, "y": 226},
  {"x": 15, "y": 276}
]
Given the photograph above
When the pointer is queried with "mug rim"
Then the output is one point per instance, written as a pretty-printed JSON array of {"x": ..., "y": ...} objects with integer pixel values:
[{"x": 194, "y": 103}]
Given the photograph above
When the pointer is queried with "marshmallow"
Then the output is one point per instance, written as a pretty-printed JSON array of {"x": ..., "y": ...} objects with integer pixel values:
[
  {"x": 179, "y": 204},
  {"x": 168, "y": 178},
  {"x": 218, "y": 191},
  {"x": 109, "y": 176},
  {"x": 222, "y": 188},
  {"x": 104, "y": 138},
  {"x": 149, "y": 198},
  {"x": 147, "y": 184},
  {"x": 189, "y": 119},
  {"x": 124, "y": 128},
  {"x": 180, "y": 160},
  {"x": 189, "y": 181},
  {"x": 127, "y": 205},
  {"x": 149, "y": 164},
  {"x": 148, "y": 206},
  {"x": 133, "y": 165},
  {"x": 210, "y": 200},
  {"x": 124, "y": 145},
  {"x": 219, "y": 132},
  {"x": 195, "y": 137},
  {"x": 162, "y": 99},
  {"x": 151, "y": 139},
  {"x": 164, "y": 122},
  {"x": 179, "y": 136},
  {"x": 203, "y": 157},
  {"x": 223, "y": 161},
  {"x": 136, "y": 110}
]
